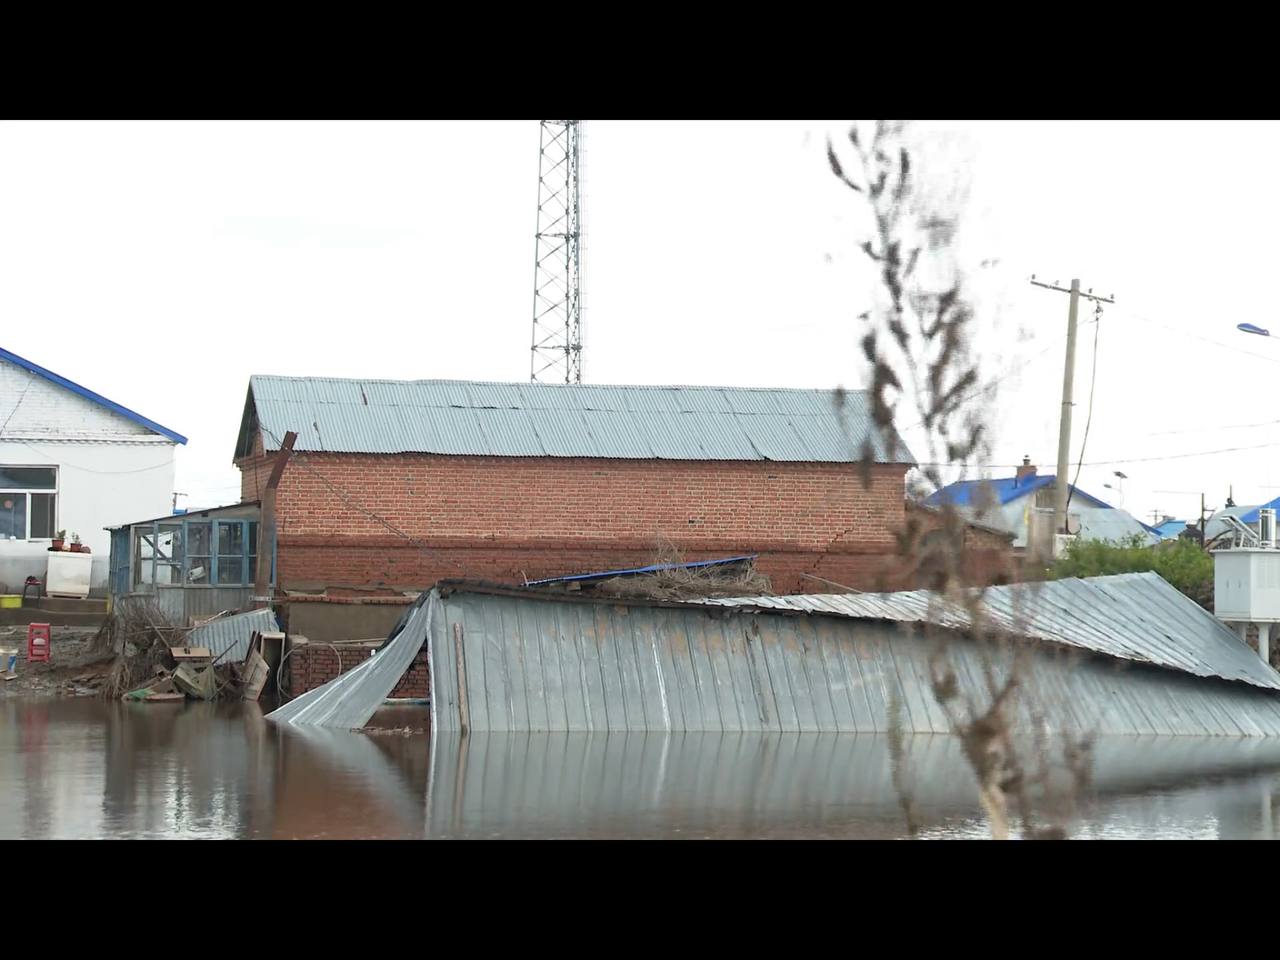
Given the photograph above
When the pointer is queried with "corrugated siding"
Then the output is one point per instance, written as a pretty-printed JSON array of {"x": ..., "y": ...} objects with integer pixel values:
[
  {"x": 743, "y": 784},
  {"x": 561, "y": 420},
  {"x": 231, "y": 633},
  {"x": 542, "y": 665},
  {"x": 1133, "y": 616}
]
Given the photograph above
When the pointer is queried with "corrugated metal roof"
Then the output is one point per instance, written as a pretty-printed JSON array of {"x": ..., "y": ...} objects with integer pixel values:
[
  {"x": 1114, "y": 525},
  {"x": 964, "y": 493},
  {"x": 537, "y": 663},
  {"x": 1132, "y": 616},
  {"x": 567, "y": 420},
  {"x": 647, "y": 784},
  {"x": 232, "y": 633},
  {"x": 349, "y": 700},
  {"x": 1251, "y": 516}
]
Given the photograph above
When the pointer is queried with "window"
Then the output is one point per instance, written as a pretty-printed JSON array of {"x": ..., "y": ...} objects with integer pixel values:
[
  {"x": 204, "y": 553},
  {"x": 199, "y": 557},
  {"x": 169, "y": 554},
  {"x": 231, "y": 565},
  {"x": 28, "y": 503}
]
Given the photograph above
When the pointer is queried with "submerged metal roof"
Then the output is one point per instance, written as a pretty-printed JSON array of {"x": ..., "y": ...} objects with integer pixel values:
[
  {"x": 1132, "y": 616},
  {"x": 533, "y": 661},
  {"x": 565, "y": 420}
]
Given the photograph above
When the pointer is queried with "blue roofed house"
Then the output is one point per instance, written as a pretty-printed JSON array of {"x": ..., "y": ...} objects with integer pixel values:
[
  {"x": 72, "y": 459},
  {"x": 1170, "y": 529},
  {"x": 1013, "y": 503}
]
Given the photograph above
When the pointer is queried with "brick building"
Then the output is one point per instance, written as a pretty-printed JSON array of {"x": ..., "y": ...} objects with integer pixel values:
[{"x": 396, "y": 484}]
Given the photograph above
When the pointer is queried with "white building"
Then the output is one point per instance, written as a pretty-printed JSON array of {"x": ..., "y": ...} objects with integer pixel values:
[{"x": 72, "y": 460}]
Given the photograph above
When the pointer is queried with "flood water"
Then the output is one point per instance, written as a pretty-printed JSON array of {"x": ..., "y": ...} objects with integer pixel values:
[{"x": 79, "y": 768}]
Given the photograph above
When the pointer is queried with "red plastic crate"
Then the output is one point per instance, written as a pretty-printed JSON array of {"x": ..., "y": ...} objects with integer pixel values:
[{"x": 39, "y": 639}]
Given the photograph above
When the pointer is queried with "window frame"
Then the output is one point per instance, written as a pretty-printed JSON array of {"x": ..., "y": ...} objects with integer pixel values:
[
  {"x": 54, "y": 491},
  {"x": 152, "y": 532}
]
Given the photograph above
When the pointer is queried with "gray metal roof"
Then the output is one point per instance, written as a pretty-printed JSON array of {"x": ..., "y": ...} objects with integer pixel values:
[
  {"x": 561, "y": 420},
  {"x": 537, "y": 663},
  {"x": 1132, "y": 616},
  {"x": 232, "y": 633},
  {"x": 646, "y": 784}
]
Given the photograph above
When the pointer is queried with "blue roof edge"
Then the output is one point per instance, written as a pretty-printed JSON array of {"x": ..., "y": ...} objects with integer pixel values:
[
  {"x": 653, "y": 568},
  {"x": 91, "y": 396}
]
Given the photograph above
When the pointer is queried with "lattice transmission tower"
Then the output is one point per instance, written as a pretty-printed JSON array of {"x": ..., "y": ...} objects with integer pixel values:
[{"x": 557, "y": 304}]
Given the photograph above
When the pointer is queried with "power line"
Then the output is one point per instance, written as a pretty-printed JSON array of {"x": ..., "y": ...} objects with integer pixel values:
[
  {"x": 31, "y": 377},
  {"x": 1116, "y": 463},
  {"x": 300, "y": 460},
  {"x": 1093, "y": 381}
]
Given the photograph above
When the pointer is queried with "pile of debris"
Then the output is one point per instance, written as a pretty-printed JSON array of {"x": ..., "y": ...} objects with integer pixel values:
[
  {"x": 154, "y": 663},
  {"x": 676, "y": 580}
]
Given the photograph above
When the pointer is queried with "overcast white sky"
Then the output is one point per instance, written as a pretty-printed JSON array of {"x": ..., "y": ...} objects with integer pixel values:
[{"x": 163, "y": 263}]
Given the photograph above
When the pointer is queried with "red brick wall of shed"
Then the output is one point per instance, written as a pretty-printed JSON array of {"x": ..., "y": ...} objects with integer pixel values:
[
  {"x": 315, "y": 664},
  {"x": 510, "y": 518},
  {"x": 988, "y": 557}
]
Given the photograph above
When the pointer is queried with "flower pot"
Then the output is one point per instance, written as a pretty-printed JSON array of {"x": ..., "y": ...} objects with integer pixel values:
[
  {"x": 57, "y": 545},
  {"x": 75, "y": 548}
]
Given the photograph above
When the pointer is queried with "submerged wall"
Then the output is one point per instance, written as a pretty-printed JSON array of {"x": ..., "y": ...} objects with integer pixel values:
[{"x": 534, "y": 664}]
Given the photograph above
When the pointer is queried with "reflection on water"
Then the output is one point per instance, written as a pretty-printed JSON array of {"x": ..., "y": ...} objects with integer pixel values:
[{"x": 83, "y": 768}]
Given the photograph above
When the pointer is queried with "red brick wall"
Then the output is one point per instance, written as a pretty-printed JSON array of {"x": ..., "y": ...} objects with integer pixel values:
[
  {"x": 988, "y": 556},
  {"x": 254, "y": 472},
  {"x": 314, "y": 664},
  {"x": 508, "y": 518}
]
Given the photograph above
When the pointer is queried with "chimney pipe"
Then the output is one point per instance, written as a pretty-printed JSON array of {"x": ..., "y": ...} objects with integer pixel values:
[{"x": 1026, "y": 470}]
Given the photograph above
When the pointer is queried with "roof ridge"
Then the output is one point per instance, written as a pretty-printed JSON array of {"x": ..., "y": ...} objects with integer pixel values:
[{"x": 560, "y": 386}]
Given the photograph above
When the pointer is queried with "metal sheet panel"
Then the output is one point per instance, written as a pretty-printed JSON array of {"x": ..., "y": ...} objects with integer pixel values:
[
  {"x": 230, "y": 635},
  {"x": 757, "y": 784},
  {"x": 1133, "y": 616},
  {"x": 349, "y": 700},
  {"x": 534, "y": 664},
  {"x": 568, "y": 420}
]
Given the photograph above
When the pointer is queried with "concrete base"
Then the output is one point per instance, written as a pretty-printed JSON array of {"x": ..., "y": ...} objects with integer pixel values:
[
  {"x": 320, "y": 620},
  {"x": 58, "y": 612}
]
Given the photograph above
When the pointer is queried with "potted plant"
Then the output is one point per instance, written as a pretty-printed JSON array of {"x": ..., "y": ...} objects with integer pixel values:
[
  {"x": 75, "y": 543},
  {"x": 58, "y": 540}
]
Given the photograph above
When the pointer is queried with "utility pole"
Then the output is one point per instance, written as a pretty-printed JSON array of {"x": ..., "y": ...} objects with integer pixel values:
[
  {"x": 1062, "y": 483},
  {"x": 1203, "y": 511}
]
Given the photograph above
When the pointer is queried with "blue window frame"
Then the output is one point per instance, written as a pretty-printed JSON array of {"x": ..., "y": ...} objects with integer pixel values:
[{"x": 197, "y": 553}]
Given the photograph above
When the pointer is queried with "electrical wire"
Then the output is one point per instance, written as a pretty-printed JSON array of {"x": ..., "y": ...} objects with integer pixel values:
[
  {"x": 1093, "y": 381},
  {"x": 31, "y": 378},
  {"x": 300, "y": 460}
]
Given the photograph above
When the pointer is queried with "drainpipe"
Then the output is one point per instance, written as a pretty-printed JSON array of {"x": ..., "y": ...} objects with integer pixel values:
[{"x": 267, "y": 526}]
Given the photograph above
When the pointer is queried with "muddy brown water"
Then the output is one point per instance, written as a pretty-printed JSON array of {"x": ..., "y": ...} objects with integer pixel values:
[{"x": 83, "y": 768}]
